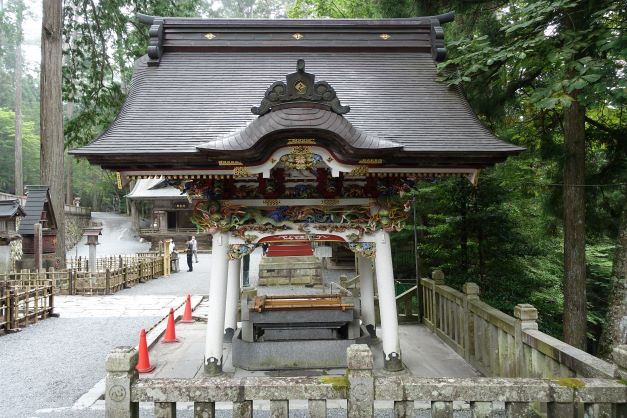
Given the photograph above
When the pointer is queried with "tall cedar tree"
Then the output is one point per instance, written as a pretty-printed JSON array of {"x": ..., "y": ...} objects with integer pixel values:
[{"x": 51, "y": 114}]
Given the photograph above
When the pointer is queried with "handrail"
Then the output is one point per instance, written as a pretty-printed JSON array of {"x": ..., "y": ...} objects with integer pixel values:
[
  {"x": 497, "y": 344},
  {"x": 360, "y": 387}
]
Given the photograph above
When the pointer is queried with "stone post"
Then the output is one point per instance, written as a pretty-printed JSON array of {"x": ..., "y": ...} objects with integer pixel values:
[
  {"x": 92, "y": 256},
  {"x": 526, "y": 318},
  {"x": 471, "y": 290},
  {"x": 232, "y": 296},
  {"x": 619, "y": 355},
  {"x": 248, "y": 294},
  {"x": 361, "y": 381},
  {"x": 366, "y": 284},
  {"x": 120, "y": 365},
  {"x": 38, "y": 244}
]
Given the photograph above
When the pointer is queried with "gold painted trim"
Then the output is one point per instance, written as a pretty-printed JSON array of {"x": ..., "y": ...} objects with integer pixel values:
[
  {"x": 371, "y": 161},
  {"x": 239, "y": 172},
  {"x": 229, "y": 162},
  {"x": 210, "y": 36},
  {"x": 385, "y": 36},
  {"x": 118, "y": 177},
  {"x": 301, "y": 141},
  {"x": 297, "y": 36}
]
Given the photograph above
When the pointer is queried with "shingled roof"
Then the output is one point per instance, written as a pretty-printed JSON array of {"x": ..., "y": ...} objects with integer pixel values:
[
  {"x": 190, "y": 99},
  {"x": 36, "y": 199},
  {"x": 9, "y": 208}
]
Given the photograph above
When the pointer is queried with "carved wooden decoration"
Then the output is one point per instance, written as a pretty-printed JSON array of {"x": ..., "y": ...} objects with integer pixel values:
[{"x": 300, "y": 87}]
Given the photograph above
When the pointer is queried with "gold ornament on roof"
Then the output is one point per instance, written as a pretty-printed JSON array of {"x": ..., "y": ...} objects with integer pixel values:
[
  {"x": 300, "y": 87},
  {"x": 385, "y": 36},
  {"x": 297, "y": 36},
  {"x": 210, "y": 36},
  {"x": 299, "y": 158}
]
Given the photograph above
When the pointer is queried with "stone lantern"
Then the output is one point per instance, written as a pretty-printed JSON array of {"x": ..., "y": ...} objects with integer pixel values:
[
  {"x": 10, "y": 211},
  {"x": 92, "y": 235}
]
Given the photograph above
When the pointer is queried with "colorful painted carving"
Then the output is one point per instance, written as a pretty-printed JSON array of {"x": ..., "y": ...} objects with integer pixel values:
[
  {"x": 363, "y": 249},
  {"x": 237, "y": 251}
]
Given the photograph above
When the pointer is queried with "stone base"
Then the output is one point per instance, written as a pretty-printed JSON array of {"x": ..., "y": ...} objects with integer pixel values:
[
  {"x": 290, "y": 270},
  {"x": 280, "y": 355}
]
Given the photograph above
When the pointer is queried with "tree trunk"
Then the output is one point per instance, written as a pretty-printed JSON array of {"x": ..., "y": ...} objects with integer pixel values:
[
  {"x": 69, "y": 191},
  {"x": 19, "y": 172},
  {"x": 615, "y": 331},
  {"x": 51, "y": 113},
  {"x": 574, "y": 226}
]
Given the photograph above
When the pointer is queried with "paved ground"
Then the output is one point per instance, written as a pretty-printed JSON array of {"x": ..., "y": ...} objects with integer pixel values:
[{"x": 117, "y": 237}]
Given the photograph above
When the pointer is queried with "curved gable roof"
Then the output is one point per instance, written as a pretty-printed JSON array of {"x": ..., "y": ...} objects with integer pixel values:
[{"x": 196, "y": 97}]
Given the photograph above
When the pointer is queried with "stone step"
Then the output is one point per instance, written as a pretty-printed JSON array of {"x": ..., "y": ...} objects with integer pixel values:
[
  {"x": 282, "y": 281},
  {"x": 282, "y": 266},
  {"x": 290, "y": 259},
  {"x": 290, "y": 272}
]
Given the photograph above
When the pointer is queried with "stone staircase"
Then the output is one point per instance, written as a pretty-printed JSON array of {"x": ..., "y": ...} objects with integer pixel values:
[{"x": 286, "y": 270}]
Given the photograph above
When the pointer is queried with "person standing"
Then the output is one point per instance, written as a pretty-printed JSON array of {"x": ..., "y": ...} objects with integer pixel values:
[
  {"x": 195, "y": 247},
  {"x": 190, "y": 254}
]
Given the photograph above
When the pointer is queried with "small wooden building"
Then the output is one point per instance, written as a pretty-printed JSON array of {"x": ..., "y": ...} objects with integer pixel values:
[
  {"x": 38, "y": 209},
  {"x": 10, "y": 212}
]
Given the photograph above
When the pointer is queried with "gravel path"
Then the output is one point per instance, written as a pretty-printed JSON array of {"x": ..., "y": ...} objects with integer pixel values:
[{"x": 46, "y": 367}]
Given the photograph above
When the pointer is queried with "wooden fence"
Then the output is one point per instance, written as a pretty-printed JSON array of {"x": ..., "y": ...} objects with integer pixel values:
[
  {"x": 497, "y": 344},
  {"x": 114, "y": 274},
  {"x": 24, "y": 302},
  {"x": 360, "y": 388}
]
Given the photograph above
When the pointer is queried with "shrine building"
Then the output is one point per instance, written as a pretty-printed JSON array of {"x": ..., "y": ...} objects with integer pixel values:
[{"x": 296, "y": 130}]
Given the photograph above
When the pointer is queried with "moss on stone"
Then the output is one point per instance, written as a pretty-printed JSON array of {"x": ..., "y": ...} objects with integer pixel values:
[
  {"x": 336, "y": 382},
  {"x": 622, "y": 381},
  {"x": 570, "y": 382}
]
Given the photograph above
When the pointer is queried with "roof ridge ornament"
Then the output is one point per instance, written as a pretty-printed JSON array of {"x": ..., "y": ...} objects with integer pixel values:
[{"x": 300, "y": 87}]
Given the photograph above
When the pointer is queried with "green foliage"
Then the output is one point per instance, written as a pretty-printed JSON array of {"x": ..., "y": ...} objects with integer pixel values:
[
  {"x": 30, "y": 149},
  {"x": 104, "y": 39}
]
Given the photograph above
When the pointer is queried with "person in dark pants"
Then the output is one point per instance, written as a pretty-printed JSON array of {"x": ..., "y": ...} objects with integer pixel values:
[{"x": 190, "y": 255}]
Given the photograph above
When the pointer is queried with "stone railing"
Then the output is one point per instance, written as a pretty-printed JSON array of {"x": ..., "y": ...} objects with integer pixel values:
[
  {"x": 360, "y": 387},
  {"x": 77, "y": 210},
  {"x": 497, "y": 344}
]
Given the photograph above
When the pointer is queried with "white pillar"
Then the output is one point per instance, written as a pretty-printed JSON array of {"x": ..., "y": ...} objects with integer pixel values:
[
  {"x": 217, "y": 303},
  {"x": 366, "y": 286},
  {"x": 387, "y": 303},
  {"x": 232, "y": 296}
]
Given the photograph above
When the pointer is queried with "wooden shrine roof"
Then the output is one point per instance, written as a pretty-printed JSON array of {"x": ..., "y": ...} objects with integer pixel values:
[
  {"x": 10, "y": 208},
  {"x": 189, "y": 103},
  {"x": 36, "y": 199}
]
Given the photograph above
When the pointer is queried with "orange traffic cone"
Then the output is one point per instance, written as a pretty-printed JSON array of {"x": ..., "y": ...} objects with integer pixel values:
[
  {"x": 170, "y": 333},
  {"x": 187, "y": 315},
  {"x": 143, "y": 364}
]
